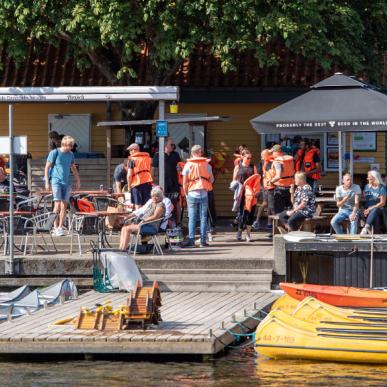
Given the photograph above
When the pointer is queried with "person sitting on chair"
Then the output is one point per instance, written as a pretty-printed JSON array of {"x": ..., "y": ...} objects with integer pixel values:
[
  {"x": 375, "y": 200},
  {"x": 347, "y": 199},
  {"x": 304, "y": 204},
  {"x": 154, "y": 211},
  {"x": 4, "y": 182}
]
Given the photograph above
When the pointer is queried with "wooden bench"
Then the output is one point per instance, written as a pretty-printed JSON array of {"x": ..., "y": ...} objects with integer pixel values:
[{"x": 309, "y": 224}]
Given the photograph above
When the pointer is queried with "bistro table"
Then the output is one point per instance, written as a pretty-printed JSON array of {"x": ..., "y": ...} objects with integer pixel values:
[{"x": 102, "y": 241}]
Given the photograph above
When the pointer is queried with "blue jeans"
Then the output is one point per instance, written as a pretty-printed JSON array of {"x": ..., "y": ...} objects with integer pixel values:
[
  {"x": 197, "y": 206},
  {"x": 374, "y": 219},
  {"x": 338, "y": 219}
]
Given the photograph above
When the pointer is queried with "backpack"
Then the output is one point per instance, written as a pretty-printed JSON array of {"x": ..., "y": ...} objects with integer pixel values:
[{"x": 85, "y": 205}]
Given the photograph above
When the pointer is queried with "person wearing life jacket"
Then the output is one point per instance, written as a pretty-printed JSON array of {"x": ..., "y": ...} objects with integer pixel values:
[
  {"x": 299, "y": 156},
  {"x": 242, "y": 172},
  {"x": 139, "y": 175},
  {"x": 283, "y": 171},
  {"x": 264, "y": 169},
  {"x": 197, "y": 181},
  {"x": 312, "y": 165}
]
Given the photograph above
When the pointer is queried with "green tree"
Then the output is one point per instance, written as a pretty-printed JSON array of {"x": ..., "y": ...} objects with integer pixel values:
[{"x": 112, "y": 34}]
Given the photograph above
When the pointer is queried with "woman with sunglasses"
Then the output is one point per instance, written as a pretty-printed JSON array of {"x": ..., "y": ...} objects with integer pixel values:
[{"x": 242, "y": 171}]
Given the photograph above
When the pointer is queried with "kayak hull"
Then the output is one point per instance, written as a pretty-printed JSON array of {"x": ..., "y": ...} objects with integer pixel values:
[{"x": 338, "y": 295}]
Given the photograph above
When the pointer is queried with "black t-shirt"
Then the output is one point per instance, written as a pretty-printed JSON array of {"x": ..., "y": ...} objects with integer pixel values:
[
  {"x": 119, "y": 175},
  {"x": 170, "y": 163}
]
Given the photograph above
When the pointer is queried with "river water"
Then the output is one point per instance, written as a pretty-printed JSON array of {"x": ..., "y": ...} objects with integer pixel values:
[{"x": 238, "y": 368}]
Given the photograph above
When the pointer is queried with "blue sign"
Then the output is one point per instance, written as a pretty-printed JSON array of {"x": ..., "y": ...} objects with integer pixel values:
[{"x": 162, "y": 128}]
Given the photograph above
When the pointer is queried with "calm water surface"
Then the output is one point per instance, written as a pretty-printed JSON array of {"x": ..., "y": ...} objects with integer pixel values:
[{"x": 238, "y": 368}]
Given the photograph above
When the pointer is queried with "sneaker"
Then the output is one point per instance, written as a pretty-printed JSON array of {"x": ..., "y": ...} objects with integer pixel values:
[
  {"x": 188, "y": 243},
  {"x": 256, "y": 225},
  {"x": 204, "y": 244},
  {"x": 248, "y": 238},
  {"x": 59, "y": 232},
  {"x": 239, "y": 236},
  {"x": 365, "y": 231}
]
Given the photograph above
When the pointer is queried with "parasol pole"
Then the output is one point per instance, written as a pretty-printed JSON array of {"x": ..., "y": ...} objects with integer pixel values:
[
  {"x": 351, "y": 156},
  {"x": 340, "y": 156},
  {"x": 372, "y": 258}
]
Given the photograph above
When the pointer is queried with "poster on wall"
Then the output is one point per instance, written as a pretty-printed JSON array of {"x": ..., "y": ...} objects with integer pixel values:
[
  {"x": 332, "y": 160},
  {"x": 332, "y": 139},
  {"x": 364, "y": 141}
]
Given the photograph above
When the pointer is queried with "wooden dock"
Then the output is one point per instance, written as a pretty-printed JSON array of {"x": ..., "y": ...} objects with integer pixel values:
[{"x": 192, "y": 324}]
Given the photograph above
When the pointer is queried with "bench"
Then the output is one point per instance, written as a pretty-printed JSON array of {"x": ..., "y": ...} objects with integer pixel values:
[{"x": 309, "y": 224}]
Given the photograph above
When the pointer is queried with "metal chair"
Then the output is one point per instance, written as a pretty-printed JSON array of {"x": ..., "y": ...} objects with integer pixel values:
[
  {"x": 135, "y": 238},
  {"x": 39, "y": 225},
  {"x": 76, "y": 229}
]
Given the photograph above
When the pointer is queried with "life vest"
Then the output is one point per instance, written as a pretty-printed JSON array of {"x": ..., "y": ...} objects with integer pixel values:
[
  {"x": 287, "y": 174},
  {"x": 198, "y": 176},
  {"x": 85, "y": 205},
  {"x": 300, "y": 159},
  {"x": 268, "y": 174},
  {"x": 309, "y": 163},
  {"x": 252, "y": 187},
  {"x": 141, "y": 171}
]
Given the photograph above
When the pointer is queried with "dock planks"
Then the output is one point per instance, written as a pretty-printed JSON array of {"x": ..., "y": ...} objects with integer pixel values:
[{"x": 188, "y": 317}]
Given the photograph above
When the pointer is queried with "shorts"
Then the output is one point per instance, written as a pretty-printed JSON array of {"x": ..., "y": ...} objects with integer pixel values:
[
  {"x": 148, "y": 229},
  {"x": 264, "y": 195},
  {"x": 61, "y": 192},
  {"x": 140, "y": 194}
]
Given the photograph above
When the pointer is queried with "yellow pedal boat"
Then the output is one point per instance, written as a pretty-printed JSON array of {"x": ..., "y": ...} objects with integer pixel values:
[{"x": 281, "y": 336}]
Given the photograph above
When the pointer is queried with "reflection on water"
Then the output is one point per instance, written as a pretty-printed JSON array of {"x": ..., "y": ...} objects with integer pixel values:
[{"x": 238, "y": 368}]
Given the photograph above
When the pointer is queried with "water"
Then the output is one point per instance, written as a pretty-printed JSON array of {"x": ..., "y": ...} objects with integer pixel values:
[{"x": 238, "y": 368}]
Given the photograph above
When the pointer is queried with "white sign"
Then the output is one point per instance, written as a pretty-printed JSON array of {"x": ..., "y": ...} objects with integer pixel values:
[{"x": 19, "y": 145}]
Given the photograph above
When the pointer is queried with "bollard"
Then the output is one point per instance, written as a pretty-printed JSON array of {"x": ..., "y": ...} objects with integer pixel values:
[
  {"x": 210, "y": 333},
  {"x": 244, "y": 312},
  {"x": 45, "y": 304},
  {"x": 222, "y": 325}
]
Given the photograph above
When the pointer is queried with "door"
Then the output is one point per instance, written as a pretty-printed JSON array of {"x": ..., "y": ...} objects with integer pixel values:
[{"x": 74, "y": 125}]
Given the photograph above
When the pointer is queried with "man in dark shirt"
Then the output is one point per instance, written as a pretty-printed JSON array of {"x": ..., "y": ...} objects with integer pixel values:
[
  {"x": 170, "y": 169},
  {"x": 120, "y": 176}
]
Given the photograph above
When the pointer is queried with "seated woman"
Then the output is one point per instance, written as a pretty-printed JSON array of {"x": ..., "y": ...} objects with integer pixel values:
[
  {"x": 375, "y": 199},
  {"x": 152, "y": 210},
  {"x": 304, "y": 204}
]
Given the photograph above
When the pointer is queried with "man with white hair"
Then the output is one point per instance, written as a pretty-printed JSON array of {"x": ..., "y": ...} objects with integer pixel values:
[
  {"x": 197, "y": 181},
  {"x": 139, "y": 175}
]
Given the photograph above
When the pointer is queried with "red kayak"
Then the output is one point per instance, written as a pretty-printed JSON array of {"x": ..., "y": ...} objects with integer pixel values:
[{"x": 338, "y": 295}]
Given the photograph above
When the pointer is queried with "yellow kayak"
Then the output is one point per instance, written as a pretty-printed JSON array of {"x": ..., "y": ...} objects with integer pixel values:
[
  {"x": 312, "y": 310},
  {"x": 281, "y": 336},
  {"x": 285, "y": 303}
]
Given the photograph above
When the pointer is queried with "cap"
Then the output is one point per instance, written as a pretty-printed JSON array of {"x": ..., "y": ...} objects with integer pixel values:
[
  {"x": 276, "y": 148},
  {"x": 132, "y": 146}
]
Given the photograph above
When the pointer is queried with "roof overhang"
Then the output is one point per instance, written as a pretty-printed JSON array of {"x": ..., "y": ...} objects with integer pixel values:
[
  {"x": 88, "y": 94},
  {"x": 189, "y": 120}
]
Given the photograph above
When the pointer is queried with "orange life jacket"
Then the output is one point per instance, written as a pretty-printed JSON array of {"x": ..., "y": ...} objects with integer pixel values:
[
  {"x": 85, "y": 205},
  {"x": 268, "y": 174},
  {"x": 287, "y": 174},
  {"x": 309, "y": 163},
  {"x": 300, "y": 159},
  {"x": 141, "y": 171},
  {"x": 198, "y": 176},
  {"x": 252, "y": 187}
]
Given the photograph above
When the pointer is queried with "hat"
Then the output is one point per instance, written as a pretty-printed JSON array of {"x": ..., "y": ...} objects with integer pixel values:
[
  {"x": 276, "y": 148},
  {"x": 132, "y": 146}
]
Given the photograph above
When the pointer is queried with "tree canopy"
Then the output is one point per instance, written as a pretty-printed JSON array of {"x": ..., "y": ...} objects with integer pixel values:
[{"x": 113, "y": 34}]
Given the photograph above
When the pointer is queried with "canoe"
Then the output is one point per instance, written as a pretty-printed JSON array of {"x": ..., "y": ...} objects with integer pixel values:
[
  {"x": 338, "y": 295},
  {"x": 281, "y": 338},
  {"x": 285, "y": 303}
]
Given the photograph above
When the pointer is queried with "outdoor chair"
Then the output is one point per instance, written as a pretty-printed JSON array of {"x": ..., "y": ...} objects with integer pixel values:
[
  {"x": 27, "y": 204},
  {"x": 18, "y": 229},
  {"x": 102, "y": 203},
  {"x": 136, "y": 238},
  {"x": 39, "y": 225},
  {"x": 76, "y": 229}
]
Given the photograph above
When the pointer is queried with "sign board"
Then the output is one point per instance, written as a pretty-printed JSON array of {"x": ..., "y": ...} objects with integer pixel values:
[
  {"x": 161, "y": 128},
  {"x": 19, "y": 145},
  {"x": 364, "y": 141}
]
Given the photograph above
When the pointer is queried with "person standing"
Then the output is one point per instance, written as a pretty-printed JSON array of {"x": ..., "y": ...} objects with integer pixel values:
[
  {"x": 283, "y": 171},
  {"x": 304, "y": 204},
  {"x": 139, "y": 176},
  {"x": 197, "y": 181},
  {"x": 312, "y": 165},
  {"x": 242, "y": 172},
  {"x": 347, "y": 199},
  {"x": 60, "y": 162},
  {"x": 171, "y": 162},
  {"x": 120, "y": 176},
  {"x": 375, "y": 199}
]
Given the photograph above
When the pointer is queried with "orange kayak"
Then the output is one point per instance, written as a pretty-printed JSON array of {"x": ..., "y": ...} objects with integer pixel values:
[{"x": 338, "y": 295}]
